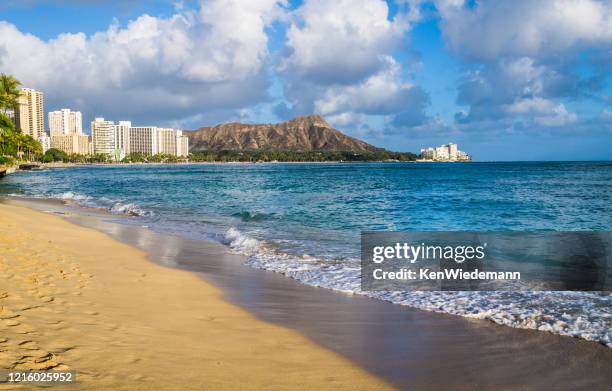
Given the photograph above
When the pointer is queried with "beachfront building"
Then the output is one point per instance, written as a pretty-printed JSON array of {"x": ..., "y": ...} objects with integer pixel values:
[
  {"x": 172, "y": 142},
  {"x": 71, "y": 143},
  {"x": 166, "y": 141},
  {"x": 182, "y": 145},
  {"x": 442, "y": 153},
  {"x": 428, "y": 153},
  {"x": 45, "y": 142},
  {"x": 65, "y": 121},
  {"x": 143, "y": 139},
  {"x": 445, "y": 153},
  {"x": 103, "y": 136},
  {"x": 122, "y": 139},
  {"x": 66, "y": 129},
  {"x": 29, "y": 112},
  {"x": 452, "y": 151}
]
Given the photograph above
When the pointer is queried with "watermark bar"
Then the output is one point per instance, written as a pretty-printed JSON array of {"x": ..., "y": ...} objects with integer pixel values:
[
  {"x": 40, "y": 378},
  {"x": 486, "y": 261}
]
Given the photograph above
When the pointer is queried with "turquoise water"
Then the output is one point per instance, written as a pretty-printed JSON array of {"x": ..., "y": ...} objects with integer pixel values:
[{"x": 304, "y": 220}]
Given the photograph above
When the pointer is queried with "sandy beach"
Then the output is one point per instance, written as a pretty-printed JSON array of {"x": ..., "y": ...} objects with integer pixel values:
[
  {"x": 129, "y": 308},
  {"x": 73, "y": 298}
]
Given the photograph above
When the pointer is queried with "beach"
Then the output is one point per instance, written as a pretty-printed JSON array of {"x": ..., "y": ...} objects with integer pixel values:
[
  {"x": 129, "y": 308},
  {"x": 247, "y": 276},
  {"x": 73, "y": 298}
]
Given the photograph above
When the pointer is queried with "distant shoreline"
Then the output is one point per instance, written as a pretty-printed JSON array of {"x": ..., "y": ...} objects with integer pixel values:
[{"x": 41, "y": 166}]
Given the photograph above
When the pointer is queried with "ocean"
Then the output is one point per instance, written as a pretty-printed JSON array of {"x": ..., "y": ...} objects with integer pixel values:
[{"x": 304, "y": 220}]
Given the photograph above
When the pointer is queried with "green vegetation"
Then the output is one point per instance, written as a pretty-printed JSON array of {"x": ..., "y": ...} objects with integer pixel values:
[
  {"x": 299, "y": 156},
  {"x": 14, "y": 145},
  {"x": 159, "y": 158},
  {"x": 9, "y": 92},
  {"x": 55, "y": 155}
]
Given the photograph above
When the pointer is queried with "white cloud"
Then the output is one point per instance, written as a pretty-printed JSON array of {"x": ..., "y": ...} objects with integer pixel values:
[
  {"x": 530, "y": 105},
  {"x": 517, "y": 89},
  {"x": 545, "y": 112},
  {"x": 343, "y": 41},
  {"x": 559, "y": 116},
  {"x": 382, "y": 93},
  {"x": 192, "y": 61},
  {"x": 341, "y": 64},
  {"x": 523, "y": 27}
]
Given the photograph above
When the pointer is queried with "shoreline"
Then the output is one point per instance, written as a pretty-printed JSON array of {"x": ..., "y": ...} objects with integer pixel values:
[
  {"x": 74, "y": 298},
  {"x": 365, "y": 330}
]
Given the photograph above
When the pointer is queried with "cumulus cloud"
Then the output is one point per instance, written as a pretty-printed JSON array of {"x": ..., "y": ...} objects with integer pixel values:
[
  {"x": 340, "y": 63},
  {"x": 495, "y": 28},
  {"x": 527, "y": 54},
  {"x": 342, "y": 41},
  {"x": 518, "y": 88},
  {"x": 382, "y": 93},
  {"x": 192, "y": 61}
]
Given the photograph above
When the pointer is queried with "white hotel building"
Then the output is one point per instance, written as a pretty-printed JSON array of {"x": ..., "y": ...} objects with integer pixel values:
[
  {"x": 65, "y": 121},
  {"x": 103, "y": 136},
  {"x": 445, "y": 153},
  {"x": 121, "y": 139},
  {"x": 66, "y": 130}
]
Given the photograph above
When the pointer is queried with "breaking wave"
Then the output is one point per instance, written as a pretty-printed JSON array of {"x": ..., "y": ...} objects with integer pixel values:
[
  {"x": 112, "y": 206},
  {"x": 585, "y": 315}
]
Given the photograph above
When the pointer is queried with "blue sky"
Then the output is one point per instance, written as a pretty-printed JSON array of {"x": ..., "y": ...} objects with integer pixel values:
[{"x": 521, "y": 80}]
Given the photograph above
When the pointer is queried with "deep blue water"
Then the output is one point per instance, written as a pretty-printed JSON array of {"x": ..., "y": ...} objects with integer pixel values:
[{"x": 304, "y": 220}]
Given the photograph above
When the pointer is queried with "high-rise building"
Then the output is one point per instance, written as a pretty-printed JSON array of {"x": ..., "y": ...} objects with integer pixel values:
[
  {"x": 71, "y": 143},
  {"x": 122, "y": 139},
  {"x": 172, "y": 142},
  {"x": 144, "y": 139},
  {"x": 29, "y": 112},
  {"x": 182, "y": 144},
  {"x": 442, "y": 152},
  {"x": 103, "y": 136},
  {"x": 166, "y": 141},
  {"x": 452, "y": 151},
  {"x": 65, "y": 121}
]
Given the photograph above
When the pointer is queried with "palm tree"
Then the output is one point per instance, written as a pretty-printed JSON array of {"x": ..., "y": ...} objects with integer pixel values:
[
  {"x": 9, "y": 92},
  {"x": 30, "y": 146}
]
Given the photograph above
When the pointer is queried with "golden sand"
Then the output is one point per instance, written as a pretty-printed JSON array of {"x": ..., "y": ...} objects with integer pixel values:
[{"x": 72, "y": 298}]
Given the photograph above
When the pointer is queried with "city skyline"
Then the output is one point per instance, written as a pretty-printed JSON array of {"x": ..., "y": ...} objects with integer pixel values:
[
  {"x": 397, "y": 74},
  {"x": 65, "y": 132}
]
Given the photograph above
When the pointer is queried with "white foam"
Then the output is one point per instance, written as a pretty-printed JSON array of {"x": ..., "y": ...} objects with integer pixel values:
[
  {"x": 585, "y": 315},
  {"x": 112, "y": 206}
]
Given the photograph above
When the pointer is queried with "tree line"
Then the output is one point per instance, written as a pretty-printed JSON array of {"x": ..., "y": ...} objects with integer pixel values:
[
  {"x": 247, "y": 156},
  {"x": 299, "y": 156}
]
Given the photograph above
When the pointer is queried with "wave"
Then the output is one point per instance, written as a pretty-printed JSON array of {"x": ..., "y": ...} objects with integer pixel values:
[
  {"x": 112, "y": 206},
  {"x": 583, "y": 315}
]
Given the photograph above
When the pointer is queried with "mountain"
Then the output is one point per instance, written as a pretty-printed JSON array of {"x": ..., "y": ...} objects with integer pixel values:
[{"x": 306, "y": 133}]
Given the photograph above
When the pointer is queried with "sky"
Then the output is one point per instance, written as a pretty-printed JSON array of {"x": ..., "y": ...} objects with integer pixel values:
[{"x": 506, "y": 80}]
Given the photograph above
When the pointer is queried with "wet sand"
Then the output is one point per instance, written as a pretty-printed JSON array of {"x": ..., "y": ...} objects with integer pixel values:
[{"x": 410, "y": 348}]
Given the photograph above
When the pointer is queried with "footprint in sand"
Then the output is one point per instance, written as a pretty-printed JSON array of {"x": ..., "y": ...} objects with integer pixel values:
[
  {"x": 12, "y": 323},
  {"x": 47, "y": 299},
  {"x": 28, "y": 345}
]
